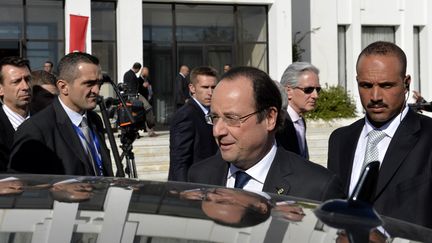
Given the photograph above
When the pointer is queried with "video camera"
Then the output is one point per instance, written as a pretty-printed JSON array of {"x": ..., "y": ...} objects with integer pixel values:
[
  {"x": 133, "y": 106},
  {"x": 130, "y": 114},
  {"x": 419, "y": 106}
]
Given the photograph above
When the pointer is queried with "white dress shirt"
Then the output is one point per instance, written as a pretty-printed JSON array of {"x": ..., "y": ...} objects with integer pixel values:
[
  {"x": 258, "y": 172},
  {"x": 14, "y": 118},
  {"x": 389, "y": 128},
  {"x": 300, "y": 131}
]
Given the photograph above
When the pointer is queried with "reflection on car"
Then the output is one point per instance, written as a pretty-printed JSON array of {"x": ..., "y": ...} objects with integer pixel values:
[{"x": 45, "y": 208}]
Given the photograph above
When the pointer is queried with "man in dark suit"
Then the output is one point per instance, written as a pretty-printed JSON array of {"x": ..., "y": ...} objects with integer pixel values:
[
  {"x": 191, "y": 138},
  {"x": 301, "y": 83},
  {"x": 15, "y": 94},
  {"x": 133, "y": 83},
  {"x": 181, "y": 86},
  {"x": 245, "y": 113},
  {"x": 404, "y": 185},
  {"x": 67, "y": 136}
]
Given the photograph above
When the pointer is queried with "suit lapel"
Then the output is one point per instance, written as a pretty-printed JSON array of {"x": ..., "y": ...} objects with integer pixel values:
[
  {"x": 402, "y": 143},
  {"x": 7, "y": 128},
  {"x": 68, "y": 134},
  {"x": 278, "y": 181},
  {"x": 347, "y": 152},
  {"x": 218, "y": 173}
]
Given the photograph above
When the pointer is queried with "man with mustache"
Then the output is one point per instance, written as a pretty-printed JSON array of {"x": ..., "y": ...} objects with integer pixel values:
[
  {"x": 301, "y": 84},
  {"x": 15, "y": 95},
  {"x": 191, "y": 137},
  {"x": 391, "y": 133},
  {"x": 66, "y": 138}
]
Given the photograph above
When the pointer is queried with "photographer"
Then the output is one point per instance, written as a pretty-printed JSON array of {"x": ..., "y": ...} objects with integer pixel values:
[{"x": 135, "y": 90}]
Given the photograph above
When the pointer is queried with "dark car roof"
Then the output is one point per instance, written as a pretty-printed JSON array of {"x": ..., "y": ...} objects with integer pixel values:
[{"x": 64, "y": 209}]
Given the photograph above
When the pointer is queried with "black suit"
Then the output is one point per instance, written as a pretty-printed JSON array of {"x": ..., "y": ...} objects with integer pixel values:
[
  {"x": 48, "y": 144},
  {"x": 181, "y": 90},
  {"x": 289, "y": 174},
  {"x": 41, "y": 98},
  {"x": 287, "y": 136},
  {"x": 404, "y": 187},
  {"x": 191, "y": 140},
  {"x": 6, "y": 139},
  {"x": 133, "y": 83}
]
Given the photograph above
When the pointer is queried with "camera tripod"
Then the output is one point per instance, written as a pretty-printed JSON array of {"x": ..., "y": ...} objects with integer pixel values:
[{"x": 127, "y": 137}]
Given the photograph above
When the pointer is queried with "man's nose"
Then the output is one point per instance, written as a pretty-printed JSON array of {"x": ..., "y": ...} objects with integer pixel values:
[
  {"x": 219, "y": 127},
  {"x": 24, "y": 85},
  {"x": 95, "y": 89},
  {"x": 376, "y": 93}
]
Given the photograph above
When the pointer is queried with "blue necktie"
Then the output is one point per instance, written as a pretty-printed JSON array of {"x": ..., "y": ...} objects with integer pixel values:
[{"x": 241, "y": 179}]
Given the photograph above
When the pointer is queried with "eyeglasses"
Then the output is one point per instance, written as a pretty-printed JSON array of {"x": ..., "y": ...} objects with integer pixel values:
[
  {"x": 230, "y": 120},
  {"x": 309, "y": 90}
]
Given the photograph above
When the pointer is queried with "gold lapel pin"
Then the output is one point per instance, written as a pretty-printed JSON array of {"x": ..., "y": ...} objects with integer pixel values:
[{"x": 280, "y": 191}]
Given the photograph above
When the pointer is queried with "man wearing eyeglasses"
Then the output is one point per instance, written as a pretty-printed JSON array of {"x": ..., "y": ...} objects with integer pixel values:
[
  {"x": 191, "y": 137},
  {"x": 302, "y": 87},
  {"x": 245, "y": 114}
]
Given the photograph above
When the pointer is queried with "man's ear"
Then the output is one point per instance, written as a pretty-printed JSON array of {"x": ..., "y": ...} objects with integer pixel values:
[
  {"x": 1, "y": 90},
  {"x": 407, "y": 82},
  {"x": 63, "y": 87},
  {"x": 271, "y": 118},
  {"x": 192, "y": 89}
]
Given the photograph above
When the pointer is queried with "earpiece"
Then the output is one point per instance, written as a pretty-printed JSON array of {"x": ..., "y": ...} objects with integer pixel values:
[{"x": 407, "y": 86}]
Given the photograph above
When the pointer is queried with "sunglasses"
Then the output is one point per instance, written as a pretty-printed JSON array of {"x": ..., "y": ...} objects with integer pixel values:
[{"x": 309, "y": 90}]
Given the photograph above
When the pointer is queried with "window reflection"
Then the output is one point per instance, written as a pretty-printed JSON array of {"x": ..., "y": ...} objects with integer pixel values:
[
  {"x": 204, "y": 23},
  {"x": 157, "y": 22},
  {"x": 11, "y": 18},
  {"x": 252, "y": 23},
  {"x": 45, "y": 20}
]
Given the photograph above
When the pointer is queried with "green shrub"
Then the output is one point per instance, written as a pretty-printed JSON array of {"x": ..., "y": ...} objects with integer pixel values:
[{"x": 333, "y": 102}]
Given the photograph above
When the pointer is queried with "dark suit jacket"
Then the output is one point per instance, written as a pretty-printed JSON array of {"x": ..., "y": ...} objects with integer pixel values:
[
  {"x": 289, "y": 174},
  {"x": 41, "y": 98},
  {"x": 287, "y": 136},
  {"x": 404, "y": 187},
  {"x": 48, "y": 144},
  {"x": 191, "y": 140},
  {"x": 6, "y": 139},
  {"x": 133, "y": 83},
  {"x": 181, "y": 89}
]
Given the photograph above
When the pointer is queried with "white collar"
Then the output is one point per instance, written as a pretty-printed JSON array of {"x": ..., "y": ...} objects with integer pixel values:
[
  {"x": 293, "y": 114},
  {"x": 205, "y": 110},
  {"x": 74, "y": 116},
  {"x": 390, "y": 127},
  {"x": 260, "y": 170}
]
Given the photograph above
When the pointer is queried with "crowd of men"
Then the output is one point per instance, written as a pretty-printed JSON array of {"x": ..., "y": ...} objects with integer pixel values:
[{"x": 232, "y": 129}]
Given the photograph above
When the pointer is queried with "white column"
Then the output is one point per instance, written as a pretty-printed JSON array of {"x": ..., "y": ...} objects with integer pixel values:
[
  {"x": 129, "y": 35},
  {"x": 279, "y": 38},
  {"x": 82, "y": 8},
  {"x": 324, "y": 45}
]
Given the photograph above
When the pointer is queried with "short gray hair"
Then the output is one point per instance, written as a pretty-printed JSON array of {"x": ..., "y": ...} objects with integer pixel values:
[{"x": 293, "y": 71}]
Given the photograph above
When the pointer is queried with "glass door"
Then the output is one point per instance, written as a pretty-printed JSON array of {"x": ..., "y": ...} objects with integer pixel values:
[{"x": 214, "y": 55}]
